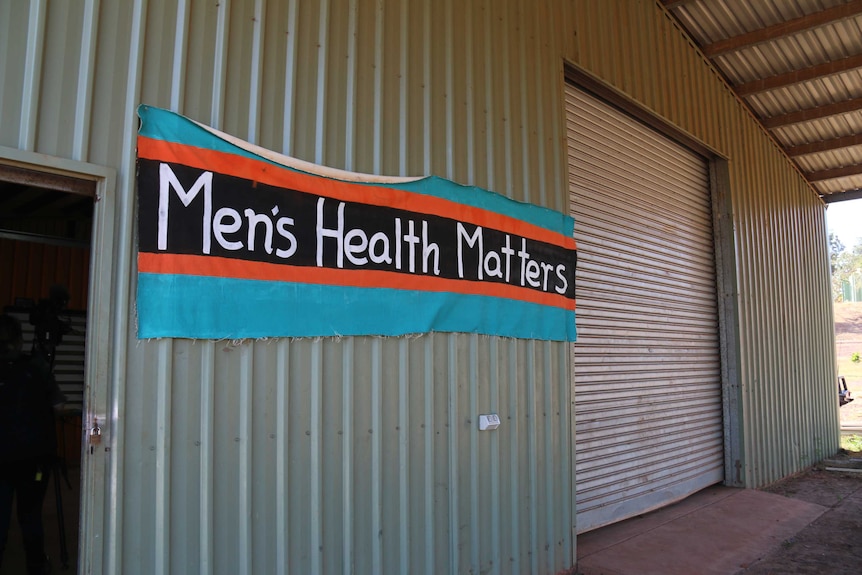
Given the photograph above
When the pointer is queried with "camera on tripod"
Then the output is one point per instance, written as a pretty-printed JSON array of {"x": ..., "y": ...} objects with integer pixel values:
[{"x": 49, "y": 327}]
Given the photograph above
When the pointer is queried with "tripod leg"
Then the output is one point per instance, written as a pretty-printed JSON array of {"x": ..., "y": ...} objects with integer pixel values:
[
  {"x": 60, "y": 471},
  {"x": 61, "y": 521}
]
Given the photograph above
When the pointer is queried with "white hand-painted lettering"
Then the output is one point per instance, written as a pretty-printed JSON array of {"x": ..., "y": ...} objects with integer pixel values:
[
  {"x": 525, "y": 256},
  {"x": 288, "y": 235},
  {"x": 428, "y": 250},
  {"x": 471, "y": 240},
  {"x": 561, "y": 273},
  {"x": 382, "y": 257},
  {"x": 351, "y": 249},
  {"x": 337, "y": 233},
  {"x": 509, "y": 252},
  {"x": 355, "y": 245},
  {"x": 494, "y": 271},
  {"x": 532, "y": 273},
  {"x": 219, "y": 228},
  {"x": 168, "y": 179},
  {"x": 411, "y": 239},
  {"x": 402, "y": 244},
  {"x": 253, "y": 220}
]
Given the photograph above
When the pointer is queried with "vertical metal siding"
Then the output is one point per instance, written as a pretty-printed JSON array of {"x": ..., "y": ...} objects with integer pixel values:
[
  {"x": 13, "y": 35},
  {"x": 353, "y": 455},
  {"x": 786, "y": 366},
  {"x": 32, "y": 74},
  {"x": 199, "y": 453}
]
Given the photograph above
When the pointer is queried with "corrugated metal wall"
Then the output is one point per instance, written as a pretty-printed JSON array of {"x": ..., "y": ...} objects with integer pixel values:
[
  {"x": 221, "y": 452},
  {"x": 786, "y": 352},
  {"x": 357, "y": 455}
]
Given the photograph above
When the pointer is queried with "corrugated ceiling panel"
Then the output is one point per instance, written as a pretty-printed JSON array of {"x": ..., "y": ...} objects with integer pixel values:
[
  {"x": 714, "y": 21},
  {"x": 842, "y": 157},
  {"x": 818, "y": 131},
  {"x": 835, "y": 88}
]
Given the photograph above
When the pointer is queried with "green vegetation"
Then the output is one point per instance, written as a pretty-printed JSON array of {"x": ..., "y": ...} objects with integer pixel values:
[
  {"x": 850, "y": 369},
  {"x": 854, "y": 357},
  {"x": 845, "y": 263},
  {"x": 851, "y": 442}
]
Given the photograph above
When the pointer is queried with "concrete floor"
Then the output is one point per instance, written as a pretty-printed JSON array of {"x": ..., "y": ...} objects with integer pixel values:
[
  {"x": 718, "y": 531},
  {"x": 13, "y": 560}
]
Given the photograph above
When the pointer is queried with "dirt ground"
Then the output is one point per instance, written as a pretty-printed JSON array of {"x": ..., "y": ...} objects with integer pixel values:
[
  {"x": 832, "y": 544},
  {"x": 848, "y": 339}
]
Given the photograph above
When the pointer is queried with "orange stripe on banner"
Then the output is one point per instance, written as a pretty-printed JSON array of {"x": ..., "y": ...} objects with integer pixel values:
[
  {"x": 214, "y": 266},
  {"x": 266, "y": 173}
]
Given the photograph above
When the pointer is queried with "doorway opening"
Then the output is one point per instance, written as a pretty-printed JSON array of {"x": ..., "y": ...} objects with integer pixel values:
[
  {"x": 46, "y": 230},
  {"x": 845, "y": 255}
]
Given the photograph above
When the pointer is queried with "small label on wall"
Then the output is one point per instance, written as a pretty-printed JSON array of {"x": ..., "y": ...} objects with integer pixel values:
[{"x": 489, "y": 422}]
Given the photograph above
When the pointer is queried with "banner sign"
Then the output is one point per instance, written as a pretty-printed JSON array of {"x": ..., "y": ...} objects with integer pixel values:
[{"x": 235, "y": 241}]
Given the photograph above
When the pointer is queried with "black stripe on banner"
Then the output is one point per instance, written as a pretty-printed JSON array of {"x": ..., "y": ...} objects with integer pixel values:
[{"x": 207, "y": 213}]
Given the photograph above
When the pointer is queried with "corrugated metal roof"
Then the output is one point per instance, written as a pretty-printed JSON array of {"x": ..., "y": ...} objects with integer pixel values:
[{"x": 798, "y": 66}]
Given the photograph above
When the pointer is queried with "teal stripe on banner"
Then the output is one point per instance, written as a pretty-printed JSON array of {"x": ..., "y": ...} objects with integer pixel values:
[
  {"x": 226, "y": 308},
  {"x": 160, "y": 124}
]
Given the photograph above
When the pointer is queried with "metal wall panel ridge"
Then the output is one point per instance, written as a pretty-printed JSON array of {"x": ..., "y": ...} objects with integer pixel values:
[
  {"x": 792, "y": 346},
  {"x": 789, "y": 415},
  {"x": 357, "y": 455},
  {"x": 353, "y": 455},
  {"x": 13, "y": 35},
  {"x": 304, "y": 456}
]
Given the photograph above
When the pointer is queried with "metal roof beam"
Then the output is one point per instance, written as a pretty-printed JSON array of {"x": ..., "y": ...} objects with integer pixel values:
[
  {"x": 798, "y": 76},
  {"x": 57, "y": 182},
  {"x": 813, "y": 113},
  {"x": 824, "y": 146},
  {"x": 783, "y": 29},
  {"x": 42, "y": 239},
  {"x": 671, "y": 4},
  {"x": 842, "y": 196},
  {"x": 833, "y": 173}
]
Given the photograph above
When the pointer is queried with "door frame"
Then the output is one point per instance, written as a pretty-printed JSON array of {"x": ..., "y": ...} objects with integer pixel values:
[{"x": 99, "y": 335}]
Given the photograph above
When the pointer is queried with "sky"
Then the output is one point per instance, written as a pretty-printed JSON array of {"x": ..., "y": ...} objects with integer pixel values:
[{"x": 845, "y": 220}]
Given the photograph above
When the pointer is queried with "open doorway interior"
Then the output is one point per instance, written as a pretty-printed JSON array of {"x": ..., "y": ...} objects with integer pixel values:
[
  {"x": 46, "y": 224},
  {"x": 843, "y": 219}
]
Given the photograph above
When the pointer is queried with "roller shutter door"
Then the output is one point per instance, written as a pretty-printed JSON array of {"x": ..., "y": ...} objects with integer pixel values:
[{"x": 646, "y": 364}]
